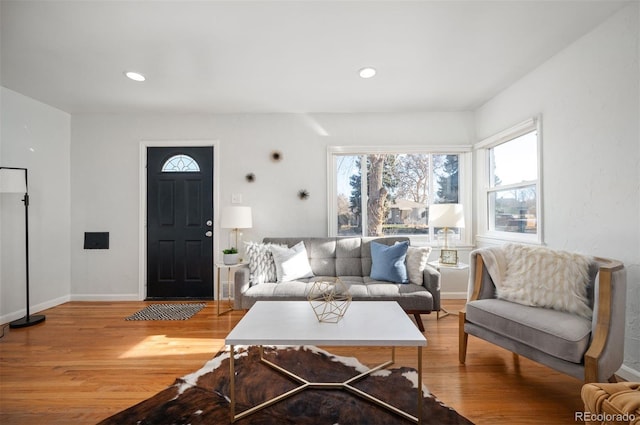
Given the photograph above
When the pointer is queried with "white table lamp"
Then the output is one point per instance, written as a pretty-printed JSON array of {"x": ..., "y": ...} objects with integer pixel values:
[
  {"x": 236, "y": 218},
  {"x": 446, "y": 216}
]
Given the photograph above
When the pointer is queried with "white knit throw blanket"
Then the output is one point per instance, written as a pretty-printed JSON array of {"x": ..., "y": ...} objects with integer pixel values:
[{"x": 539, "y": 276}]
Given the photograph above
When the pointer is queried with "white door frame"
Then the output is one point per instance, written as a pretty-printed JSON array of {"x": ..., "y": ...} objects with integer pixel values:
[{"x": 142, "y": 238}]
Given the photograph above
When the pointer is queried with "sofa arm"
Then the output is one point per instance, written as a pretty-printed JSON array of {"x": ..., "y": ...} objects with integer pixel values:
[
  {"x": 240, "y": 285},
  {"x": 431, "y": 281}
]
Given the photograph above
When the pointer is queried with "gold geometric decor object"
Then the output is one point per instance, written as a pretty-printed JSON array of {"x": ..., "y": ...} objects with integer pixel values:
[{"x": 329, "y": 300}]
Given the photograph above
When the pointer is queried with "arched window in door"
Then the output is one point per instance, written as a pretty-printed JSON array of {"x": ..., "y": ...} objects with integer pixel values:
[{"x": 180, "y": 164}]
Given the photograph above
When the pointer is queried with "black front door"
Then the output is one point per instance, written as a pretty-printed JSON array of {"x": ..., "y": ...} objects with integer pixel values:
[{"x": 180, "y": 222}]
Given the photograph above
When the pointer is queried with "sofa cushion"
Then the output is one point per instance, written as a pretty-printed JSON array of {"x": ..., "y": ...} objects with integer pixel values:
[
  {"x": 348, "y": 257},
  {"x": 557, "y": 333},
  {"x": 409, "y": 296},
  {"x": 388, "y": 262},
  {"x": 284, "y": 291},
  {"x": 291, "y": 263}
]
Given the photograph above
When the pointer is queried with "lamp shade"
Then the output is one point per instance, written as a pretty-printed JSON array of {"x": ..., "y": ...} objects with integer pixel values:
[
  {"x": 236, "y": 218},
  {"x": 13, "y": 180},
  {"x": 446, "y": 215}
]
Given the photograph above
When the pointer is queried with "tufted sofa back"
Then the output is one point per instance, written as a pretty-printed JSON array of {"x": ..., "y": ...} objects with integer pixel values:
[{"x": 338, "y": 256}]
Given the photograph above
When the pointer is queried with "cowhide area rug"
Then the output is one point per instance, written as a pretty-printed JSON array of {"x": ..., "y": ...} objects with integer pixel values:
[{"x": 203, "y": 396}]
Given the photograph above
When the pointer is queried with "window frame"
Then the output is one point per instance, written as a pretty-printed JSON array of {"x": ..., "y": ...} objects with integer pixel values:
[
  {"x": 484, "y": 187},
  {"x": 465, "y": 160},
  {"x": 180, "y": 157}
]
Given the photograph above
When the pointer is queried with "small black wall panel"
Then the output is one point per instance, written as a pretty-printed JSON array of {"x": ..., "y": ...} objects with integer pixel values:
[{"x": 96, "y": 240}]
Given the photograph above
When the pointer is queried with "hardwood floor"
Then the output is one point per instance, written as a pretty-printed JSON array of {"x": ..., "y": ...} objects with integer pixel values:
[{"x": 86, "y": 363}]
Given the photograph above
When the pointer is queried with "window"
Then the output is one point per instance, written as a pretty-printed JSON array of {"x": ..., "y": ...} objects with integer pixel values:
[
  {"x": 180, "y": 164},
  {"x": 376, "y": 192},
  {"x": 511, "y": 184}
]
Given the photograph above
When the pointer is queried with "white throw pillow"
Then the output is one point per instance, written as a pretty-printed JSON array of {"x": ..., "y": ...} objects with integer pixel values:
[
  {"x": 541, "y": 277},
  {"x": 417, "y": 257},
  {"x": 291, "y": 263},
  {"x": 262, "y": 268}
]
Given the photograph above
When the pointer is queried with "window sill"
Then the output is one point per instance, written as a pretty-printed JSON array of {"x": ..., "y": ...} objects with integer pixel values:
[{"x": 501, "y": 238}]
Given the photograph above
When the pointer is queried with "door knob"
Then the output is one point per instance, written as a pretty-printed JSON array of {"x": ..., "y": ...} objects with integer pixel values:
[
  {"x": 209, "y": 233},
  {"x": 209, "y": 223}
]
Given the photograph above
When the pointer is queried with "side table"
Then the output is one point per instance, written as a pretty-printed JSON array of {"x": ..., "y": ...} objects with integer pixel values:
[
  {"x": 229, "y": 267},
  {"x": 439, "y": 266}
]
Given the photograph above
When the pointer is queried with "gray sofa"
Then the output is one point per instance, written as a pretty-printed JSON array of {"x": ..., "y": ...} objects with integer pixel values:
[{"x": 350, "y": 260}]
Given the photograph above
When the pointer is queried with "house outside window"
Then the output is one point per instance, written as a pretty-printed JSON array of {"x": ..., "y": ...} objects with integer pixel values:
[
  {"x": 510, "y": 184},
  {"x": 378, "y": 192}
]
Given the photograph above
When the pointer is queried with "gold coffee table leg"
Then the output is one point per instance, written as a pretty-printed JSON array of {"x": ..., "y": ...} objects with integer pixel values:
[
  {"x": 232, "y": 384},
  {"x": 419, "y": 385},
  {"x": 304, "y": 384}
]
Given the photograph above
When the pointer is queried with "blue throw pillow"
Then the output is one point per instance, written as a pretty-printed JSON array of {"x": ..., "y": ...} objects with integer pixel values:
[{"x": 388, "y": 262}]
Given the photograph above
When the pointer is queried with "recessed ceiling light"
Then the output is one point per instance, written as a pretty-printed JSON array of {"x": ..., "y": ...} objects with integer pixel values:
[
  {"x": 367, "y": 72},
  {"x": 135, "y": 76}
]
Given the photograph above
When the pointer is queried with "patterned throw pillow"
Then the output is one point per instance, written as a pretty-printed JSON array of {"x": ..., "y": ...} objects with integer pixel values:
[
  {"x": 542, "y": 277},
  {"x": 262, "y": 268}
]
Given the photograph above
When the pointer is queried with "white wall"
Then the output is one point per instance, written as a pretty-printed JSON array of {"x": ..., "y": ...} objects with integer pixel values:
[
  {"x": 588, "y": 96},
  {"x": 105, "y": 167},
  {"x": 34, "y": 136}
]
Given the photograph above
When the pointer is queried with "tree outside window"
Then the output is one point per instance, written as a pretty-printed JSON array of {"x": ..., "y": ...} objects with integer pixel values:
[{"x": 398, "y": 189}]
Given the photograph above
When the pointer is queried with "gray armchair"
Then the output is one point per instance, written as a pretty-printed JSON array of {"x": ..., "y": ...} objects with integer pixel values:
[{"x": 590, "y": 349}]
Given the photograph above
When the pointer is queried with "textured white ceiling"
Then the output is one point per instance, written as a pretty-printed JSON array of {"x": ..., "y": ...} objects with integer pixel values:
[{"x": 281, "y": 56}]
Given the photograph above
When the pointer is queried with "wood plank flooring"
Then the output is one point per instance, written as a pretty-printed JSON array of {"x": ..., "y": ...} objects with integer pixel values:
[{"x": 86, "y": 363}]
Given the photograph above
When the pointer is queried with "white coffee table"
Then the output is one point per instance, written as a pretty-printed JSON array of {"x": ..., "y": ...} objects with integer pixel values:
[{"x": 366, "y": 323}]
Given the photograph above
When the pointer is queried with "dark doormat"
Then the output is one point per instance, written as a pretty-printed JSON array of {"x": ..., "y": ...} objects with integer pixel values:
[{"x": 167, "y": 311}]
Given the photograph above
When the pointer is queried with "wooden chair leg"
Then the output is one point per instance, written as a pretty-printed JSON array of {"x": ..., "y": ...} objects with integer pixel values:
[
  {"x": 462, "y": 338},
  {"x": 419, "y": 321}
]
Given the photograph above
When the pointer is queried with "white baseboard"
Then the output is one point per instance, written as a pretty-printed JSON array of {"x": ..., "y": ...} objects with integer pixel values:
[
  {"x": 453, "y": 295},
  {"x": 33, "y": 309},
  {"x": 631, "y": 375},
  {"x": 105, "y": 297}
]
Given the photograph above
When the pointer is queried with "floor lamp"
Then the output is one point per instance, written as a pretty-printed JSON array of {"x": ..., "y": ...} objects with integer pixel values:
[{"x": 14, "y": 180}]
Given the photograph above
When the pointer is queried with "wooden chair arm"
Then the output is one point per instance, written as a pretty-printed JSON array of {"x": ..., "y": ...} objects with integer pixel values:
[
  {"x": 609, "y": 264},
  {"x": 601, "y": 332},
  {"x": 477, "y": 281}
]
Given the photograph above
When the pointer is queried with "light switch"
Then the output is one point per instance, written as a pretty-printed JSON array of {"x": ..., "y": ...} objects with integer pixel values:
[{"x": 236, "y": 198}]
